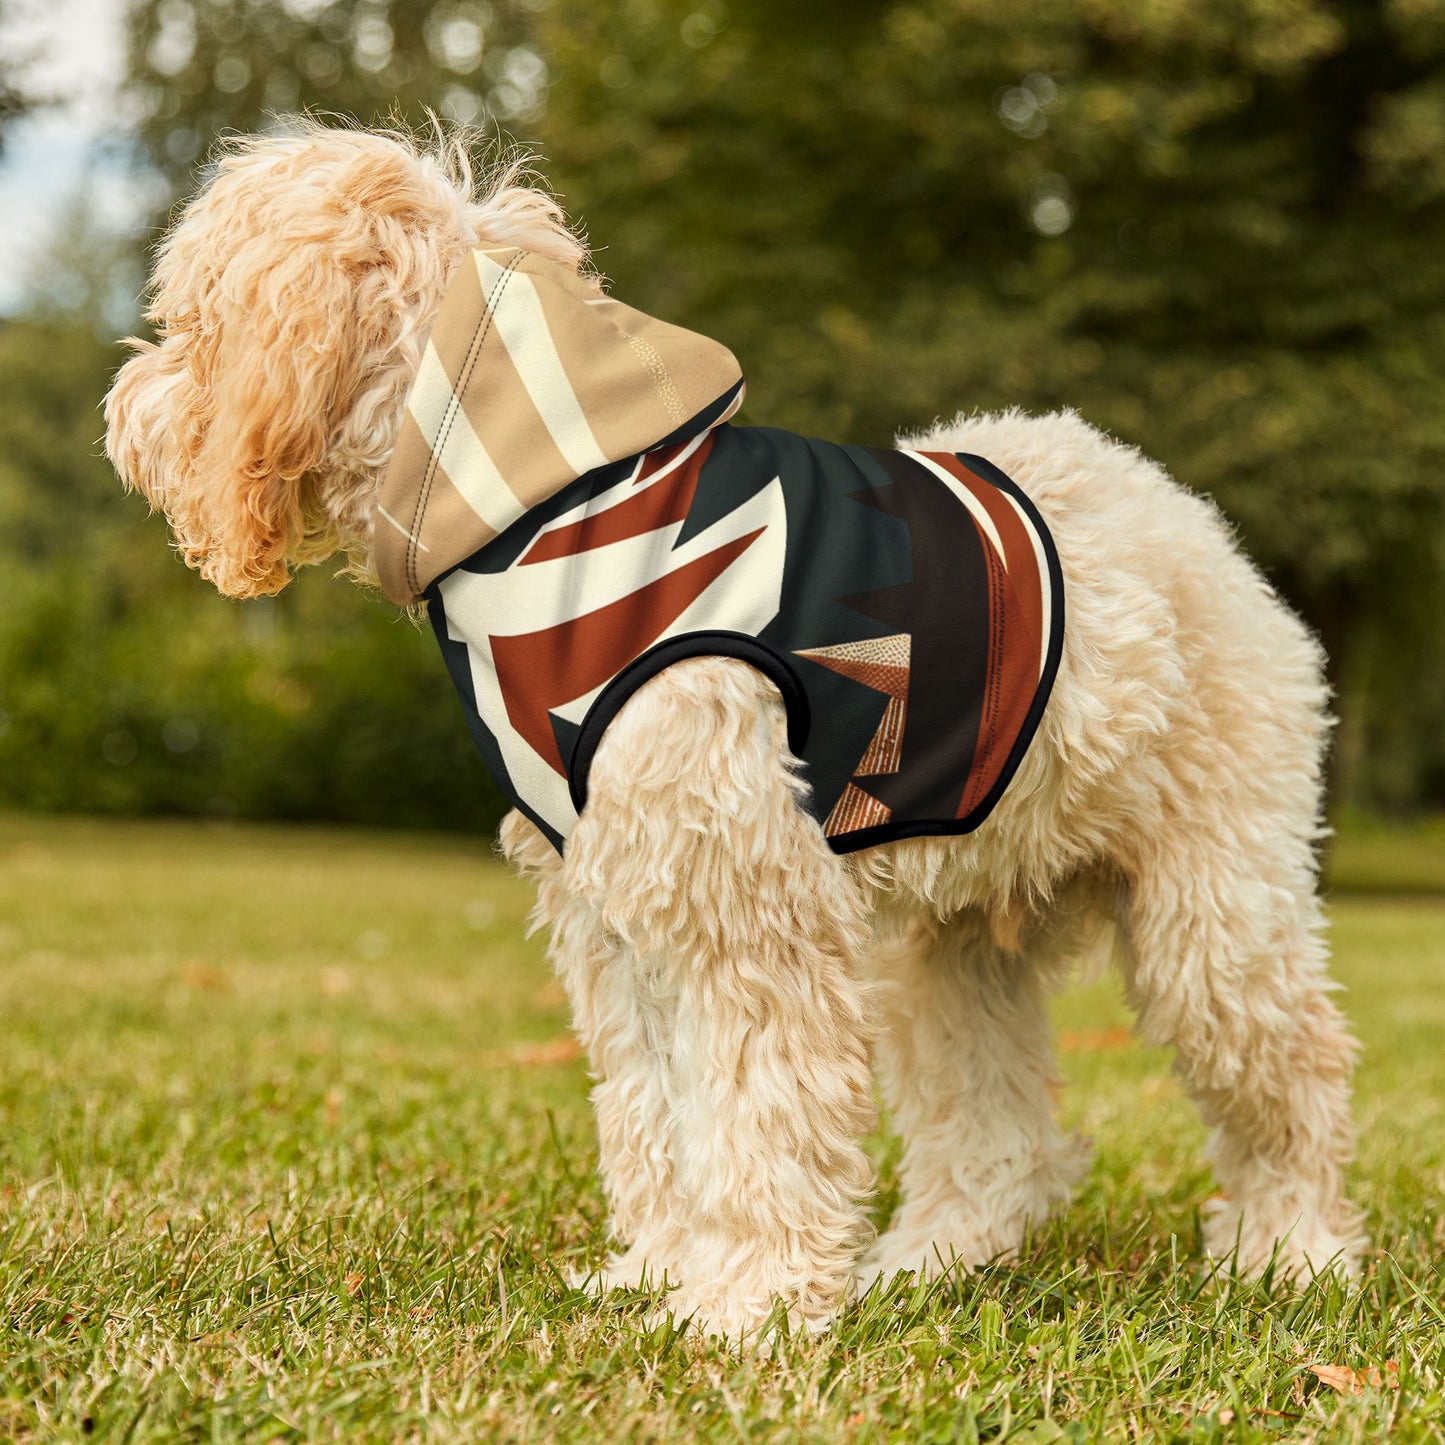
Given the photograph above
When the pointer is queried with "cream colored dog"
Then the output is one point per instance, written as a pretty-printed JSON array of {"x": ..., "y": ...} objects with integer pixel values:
[{"x": 731, "y": 976}]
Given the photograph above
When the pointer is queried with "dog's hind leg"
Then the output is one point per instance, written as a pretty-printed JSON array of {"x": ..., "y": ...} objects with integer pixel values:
[
  {"x": 966, "y": 1060},
  {"x": 1224, "y": 950},
  {"x": 1225, "y": 961},
  {"x": 739, "y": 931}
]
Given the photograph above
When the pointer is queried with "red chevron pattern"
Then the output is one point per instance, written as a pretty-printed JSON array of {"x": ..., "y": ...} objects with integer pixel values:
[
  {"x": 663, "y": 502},
  {"x": 539, "y": 671}
]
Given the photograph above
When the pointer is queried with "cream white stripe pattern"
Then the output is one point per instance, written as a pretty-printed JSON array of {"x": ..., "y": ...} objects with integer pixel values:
[
  {"x": 454, "y": 443},
  {"x": 410, "y": 536},
  {"x": 1046, "y": 586},
  {"x": 980, "y": 515},
  {"x": 637, "y": 480},
  {"x": 521, "y": 324}
]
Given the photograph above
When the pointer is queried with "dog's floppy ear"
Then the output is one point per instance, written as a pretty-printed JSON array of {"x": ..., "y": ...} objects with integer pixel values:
[
  {"x": 223, "y": 423},
  {"x": 272, "y": 358},
  {"x": 149, "y": 408},
  {"x": 291, "y": 302}
]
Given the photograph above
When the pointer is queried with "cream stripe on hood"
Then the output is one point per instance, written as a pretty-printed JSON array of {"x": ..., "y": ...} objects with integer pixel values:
[
  {"x": 521, "y": 324},
  {"x": 527, "y": 383},
  {"x": 456, "y": 447}
]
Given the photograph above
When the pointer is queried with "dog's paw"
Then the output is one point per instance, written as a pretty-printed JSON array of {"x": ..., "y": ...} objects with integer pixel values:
[
  {"x": 633, "y": 1270},
  {"x": 756, "y": 1325},
  {"x": 957, "y": 1243},
  {"x": 966, "y": 1228},
  {"x": 1296, "y": 1245},
  {"x": 896, "y": 1255}
]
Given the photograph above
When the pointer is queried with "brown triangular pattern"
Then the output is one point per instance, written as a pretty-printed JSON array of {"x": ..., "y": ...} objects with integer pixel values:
[
  {"x": 855, "y": 810},
  {"x": 877, "y": 662},
  {"x": 890, "y": 680},
  {"x": 885, "y": 752}
]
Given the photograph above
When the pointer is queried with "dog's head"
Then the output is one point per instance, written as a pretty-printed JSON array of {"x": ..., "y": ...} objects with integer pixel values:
[{"x": 291, "y": 301}]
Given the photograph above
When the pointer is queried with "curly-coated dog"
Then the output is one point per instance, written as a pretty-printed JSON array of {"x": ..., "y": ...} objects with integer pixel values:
[{"x": 819, "y": 752}]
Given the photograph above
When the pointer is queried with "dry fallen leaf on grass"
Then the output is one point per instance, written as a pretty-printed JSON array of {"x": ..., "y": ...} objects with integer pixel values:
[
  {"x": 1096, "y": 1041},
  {"x": 1348, "y": 1381},
  {"x": 202, "y": 975},
  {"x": 335, "y": 982},
  {"x": 560, "y": 1050},
  {"x": 551, "y": 995}
]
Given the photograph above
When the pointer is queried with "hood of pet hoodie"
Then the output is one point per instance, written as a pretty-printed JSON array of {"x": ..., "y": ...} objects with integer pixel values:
[{"x": 531, "y": 379}]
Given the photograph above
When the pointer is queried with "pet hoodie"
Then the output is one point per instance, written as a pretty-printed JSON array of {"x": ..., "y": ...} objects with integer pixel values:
[{"x": 569, "y": 499}]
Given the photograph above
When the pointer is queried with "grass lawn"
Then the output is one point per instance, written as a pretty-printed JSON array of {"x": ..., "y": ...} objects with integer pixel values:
[{"x": 293, "y": 1146}]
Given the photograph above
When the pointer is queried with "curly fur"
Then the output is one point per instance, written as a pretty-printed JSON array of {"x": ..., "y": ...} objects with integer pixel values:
[
  {"x": 291, "y": 301},
  {"x": 729, "y": 975}
]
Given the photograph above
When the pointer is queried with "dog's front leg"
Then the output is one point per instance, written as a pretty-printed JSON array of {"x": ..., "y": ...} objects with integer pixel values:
[
  {"x": 734, "y": 934},
  {"x": 624, "y": 1025}
]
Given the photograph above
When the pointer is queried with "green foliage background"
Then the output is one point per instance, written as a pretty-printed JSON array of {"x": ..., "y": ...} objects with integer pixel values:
[{"x": 1215, "y": 228}]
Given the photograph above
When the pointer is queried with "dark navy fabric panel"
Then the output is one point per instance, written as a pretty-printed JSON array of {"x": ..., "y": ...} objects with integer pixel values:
[{"x": 944, "y": 606}]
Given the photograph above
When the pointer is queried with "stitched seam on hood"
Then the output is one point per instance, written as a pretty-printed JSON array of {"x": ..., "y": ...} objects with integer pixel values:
[{"x": 458, "y": 390}]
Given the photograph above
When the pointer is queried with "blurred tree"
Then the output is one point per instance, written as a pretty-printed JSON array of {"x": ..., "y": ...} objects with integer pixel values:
[
  {"x": 1216, "y": 227},
  {"x": 15, "y": 98},
  {"x": 201, "y": 67},
  {"x": 58, "y": 496},
  {"x": 127, "y": 685}
]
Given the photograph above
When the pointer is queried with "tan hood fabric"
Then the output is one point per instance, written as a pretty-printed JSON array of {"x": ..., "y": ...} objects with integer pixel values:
[{"x": 530, "y": 379}]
